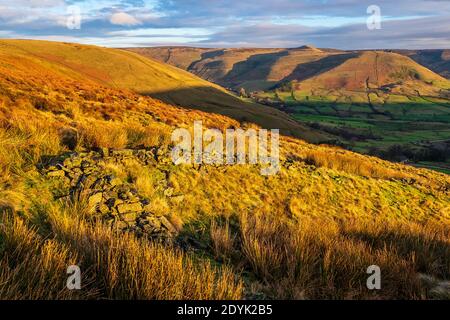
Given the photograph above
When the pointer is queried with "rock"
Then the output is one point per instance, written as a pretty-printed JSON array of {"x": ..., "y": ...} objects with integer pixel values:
[
  {"x": 123, "y": 195},
  {"x": 57, "y": 174},
  {"x": 129, "y": 216},
  {"x": 116, "y": 202},
  {"x": 177, "y": 199},
  {"x": 85, "y": 164},
  {"x": 154, "y": 222},
  {"x": 148, "y": 228},
  {"x": 168, "y": 192},
  {"x": 165, "y": 223},
  {"x": 129, "y": 207},
  {"x": 112, "y": 180},
  {"x": 111, "y": 202},
  {"x": 104, "y": 152},
  {"x": 121, "y": 225},
  {"x": 95, "y": 199},
  {"x": 104, "y": 209}
]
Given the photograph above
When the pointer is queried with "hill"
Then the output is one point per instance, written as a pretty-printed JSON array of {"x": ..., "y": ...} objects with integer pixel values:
[
  {"x": 379, "y": 102},
  {"x": 252, "y": 69},
  {"x": 86, "y": 179},
  {"x": 436, "y": 60},
  {"x": 123, "y": 69}
]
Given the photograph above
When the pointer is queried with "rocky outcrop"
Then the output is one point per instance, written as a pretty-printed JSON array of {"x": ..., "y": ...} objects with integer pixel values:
[{"x": 115, "y": 201}]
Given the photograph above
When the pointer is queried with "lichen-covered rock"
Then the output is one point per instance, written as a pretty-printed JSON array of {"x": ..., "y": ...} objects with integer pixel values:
[
  {"x": 95, "y": 200},
  {"x": 129, "y": 207}
]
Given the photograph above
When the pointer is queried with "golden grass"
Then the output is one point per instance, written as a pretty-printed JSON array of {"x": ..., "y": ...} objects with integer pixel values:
[
  {"x": 114, "y": 267},
  {"x": 222, "y": 240},
  {"x": 319, "y": 258},
  {"x": 351, "y": 163},
  {"x": 310, "y": 231}
]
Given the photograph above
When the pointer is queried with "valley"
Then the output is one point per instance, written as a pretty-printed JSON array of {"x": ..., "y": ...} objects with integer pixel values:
[
  {"x": 381, "y": 103},
  {"x": 87, "y": 179}
]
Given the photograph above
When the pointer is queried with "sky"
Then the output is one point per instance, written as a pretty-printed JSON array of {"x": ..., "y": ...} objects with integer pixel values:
[{"x": 341, "y": 24}]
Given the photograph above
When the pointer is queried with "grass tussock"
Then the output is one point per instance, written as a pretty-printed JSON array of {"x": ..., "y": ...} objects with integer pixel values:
[
  {"x": 352, "y": 164},
  {"x": 316, "y": 258},
  {"x": 114, "y": 266}
]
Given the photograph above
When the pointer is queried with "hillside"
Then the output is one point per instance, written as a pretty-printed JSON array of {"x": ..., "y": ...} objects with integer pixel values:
[
  {"x": 123, "y": 69},
  {"x": 86, "y": 178},
  {"x": 380, "y": 103},
  {"x": 383, "y": 103},
  {"x": 252, "y": 69},
  {"x": 383, "y": 71},
  {"x": 436, "y": 60}
]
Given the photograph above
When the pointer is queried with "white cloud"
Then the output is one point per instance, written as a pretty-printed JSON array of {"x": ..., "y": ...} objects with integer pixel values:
[{"x": 124, "y": 19}]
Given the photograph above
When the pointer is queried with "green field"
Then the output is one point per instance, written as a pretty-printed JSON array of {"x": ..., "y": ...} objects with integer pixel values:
[{"x": 374, "y": 124}]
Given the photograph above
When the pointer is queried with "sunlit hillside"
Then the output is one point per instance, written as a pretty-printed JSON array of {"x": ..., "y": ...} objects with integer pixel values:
[
  {"x": 393, "y": 104},
  {"x": 436, "y": 60},
  {"x": 252, "y": 69},
  {"x": 310, "y": 231},
  {"x": 126, "y": 70}
]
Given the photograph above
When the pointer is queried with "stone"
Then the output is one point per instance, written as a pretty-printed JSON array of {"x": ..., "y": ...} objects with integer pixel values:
[
  {"x": 76, "y": 162},
  {"x": 57, "y": 174},
  {"x": 95, "y": 199},
  {"x": 85, "y": 164},
  {"x": 129, "y": 216},
  {"x": 177, "y": 199},
  {"x": 123, "y": 195},
  {"x": 121, "y": 225},
  {"x": 129, "y": 207},
  {"x": 154, "y": 222},
  {"x": 104, "y": 152},
  {"x": 168, "y": 192},
  {"x": 104, "y": 209},
  {"x": 165, "y": 223},
  {"x": 117, "y": 202}
]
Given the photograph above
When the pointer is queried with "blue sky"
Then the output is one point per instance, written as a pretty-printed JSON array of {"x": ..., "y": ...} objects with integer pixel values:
[{"x": 340, "y": 24}]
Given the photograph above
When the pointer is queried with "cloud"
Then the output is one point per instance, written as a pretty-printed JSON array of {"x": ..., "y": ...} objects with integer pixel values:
[
  {"x": 124, "y": 19},
  {"x": 233, "y": 23}
]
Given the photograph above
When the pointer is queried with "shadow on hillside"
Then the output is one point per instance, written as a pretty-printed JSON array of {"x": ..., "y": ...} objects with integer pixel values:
[
  {"x": 206, "y": 55},
  {"x": 394, "y": 111},
  {"x": 256, "y": 67},
  {"x": 213, "y": 100},
  {"x": 431, "y": 255},
  {"x": 308, "y": 70}
]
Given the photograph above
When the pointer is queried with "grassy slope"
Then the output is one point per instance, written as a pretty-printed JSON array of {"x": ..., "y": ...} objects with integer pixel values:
[
  {"x": 309, "y": 232},
  {"x": 436, "y": 60},
  {"x": 123, "y": 69},
  {"x": 385, "y": 96},
  {"x": 252, "y": 69}
]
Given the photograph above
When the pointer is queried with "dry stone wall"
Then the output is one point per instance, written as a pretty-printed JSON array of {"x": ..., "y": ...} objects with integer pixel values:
[{"x": 115, "y": 201}]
